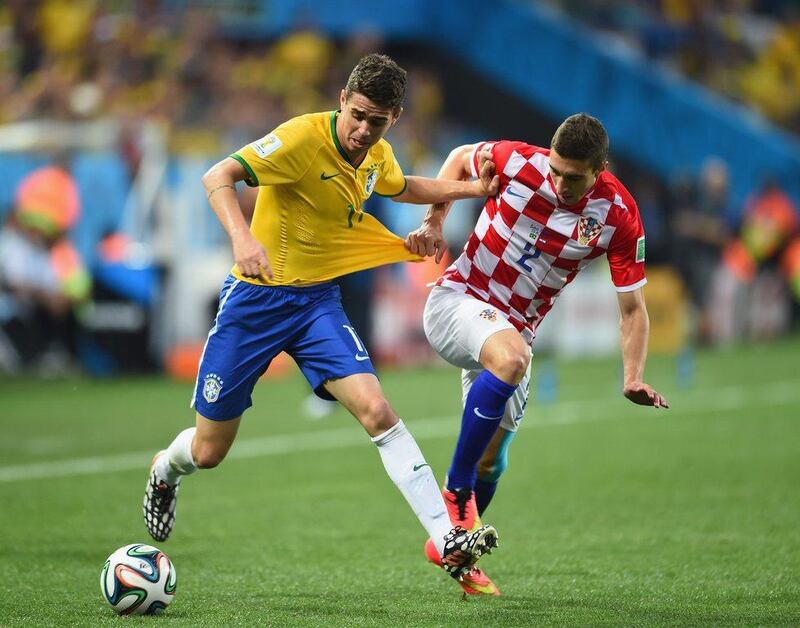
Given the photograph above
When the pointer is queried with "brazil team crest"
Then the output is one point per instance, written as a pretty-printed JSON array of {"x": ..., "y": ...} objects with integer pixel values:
[
  {"x": 212, "y": 386},
  {"x": 372, "y": 179},
  {"x": 588, "y": 229}
]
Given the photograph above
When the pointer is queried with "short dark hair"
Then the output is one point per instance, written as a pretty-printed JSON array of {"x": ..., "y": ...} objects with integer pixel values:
[
  {"x": 380, "y": 79},
  {"x": 583, "y": 138}
]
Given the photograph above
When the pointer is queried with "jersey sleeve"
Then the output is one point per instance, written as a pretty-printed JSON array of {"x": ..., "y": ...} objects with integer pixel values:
[
  {"x": 626, "y": 251},
  {"x": 391, "y": 181},
  {"x": 282, "y": 156},
  {"x": 501, "y": 153}
]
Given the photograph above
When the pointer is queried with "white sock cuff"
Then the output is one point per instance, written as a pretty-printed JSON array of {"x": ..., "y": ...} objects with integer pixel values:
[
  {"x": 396, "y": 431},
  {"x": 179, "y": 453}
]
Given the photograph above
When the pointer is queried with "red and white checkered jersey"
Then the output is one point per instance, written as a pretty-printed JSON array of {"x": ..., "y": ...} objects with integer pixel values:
[{"x": 526, "y": 246}]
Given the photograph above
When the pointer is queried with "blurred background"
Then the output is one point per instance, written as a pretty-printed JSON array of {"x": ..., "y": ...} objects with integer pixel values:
[
  {"x": 110, "y": 112},
  {"x": 111, "y": 262}
]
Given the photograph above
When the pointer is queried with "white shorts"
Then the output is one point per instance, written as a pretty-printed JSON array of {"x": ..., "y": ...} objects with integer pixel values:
[{"x": 457, "y": 325}]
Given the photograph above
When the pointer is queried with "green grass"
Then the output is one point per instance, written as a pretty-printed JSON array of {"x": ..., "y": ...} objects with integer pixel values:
[{"x": 609, "y": 513}]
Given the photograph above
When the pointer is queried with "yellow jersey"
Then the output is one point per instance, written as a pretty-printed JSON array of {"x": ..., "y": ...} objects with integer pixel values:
[{"x": 308, "y": 213}]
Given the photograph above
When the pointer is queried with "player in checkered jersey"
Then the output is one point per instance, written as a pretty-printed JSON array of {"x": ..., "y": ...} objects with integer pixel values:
[{"x": 556, "y": 211}]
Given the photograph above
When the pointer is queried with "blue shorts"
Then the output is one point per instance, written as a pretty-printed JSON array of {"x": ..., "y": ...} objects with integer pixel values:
[{"x": 254, "y": 324}]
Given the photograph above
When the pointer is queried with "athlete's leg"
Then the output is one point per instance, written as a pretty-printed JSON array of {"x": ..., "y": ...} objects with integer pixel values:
[
  {"x": 212, "y": 440},
  {"x": 250, "y": 328},
  {"x": 336, "y": 364},
  {"x": 362, "y": 396},
  {"x": 471, "y": 334},
  {"x": 494, "y": 461},
  {"x": 505, "y": 357},
  {"x": 491, "y": 466},
  {"x": 203, "y": 446}
]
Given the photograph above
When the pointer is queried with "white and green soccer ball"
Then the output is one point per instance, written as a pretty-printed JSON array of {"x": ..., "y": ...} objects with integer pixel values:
[{"x": 138, "y": 579}]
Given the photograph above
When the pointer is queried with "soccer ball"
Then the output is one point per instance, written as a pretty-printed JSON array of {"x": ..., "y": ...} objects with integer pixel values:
[{"x": 138, "y": 579}]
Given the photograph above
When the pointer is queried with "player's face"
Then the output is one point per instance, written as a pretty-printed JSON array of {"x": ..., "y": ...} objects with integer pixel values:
[
  {"x": 572, "y": 178},
  {"x": 362, "y": 123}
]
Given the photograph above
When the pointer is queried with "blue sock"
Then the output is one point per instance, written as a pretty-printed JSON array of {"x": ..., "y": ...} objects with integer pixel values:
[
  {"x": 484, "y": 491},
  {"x": 483, "y": 411}
]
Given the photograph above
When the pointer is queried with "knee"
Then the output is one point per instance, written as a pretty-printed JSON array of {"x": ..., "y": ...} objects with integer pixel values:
[
  {"x": 377, "y": 415},
  {"x": 511, "y": 364},
  {"x": 518, "y": 365}
]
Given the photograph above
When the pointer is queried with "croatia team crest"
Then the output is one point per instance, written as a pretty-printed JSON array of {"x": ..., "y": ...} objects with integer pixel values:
[
  {"x": 588, "y": 229},
  {"x": 212, "y": 385},
  {"x": 489, "y": 314}
]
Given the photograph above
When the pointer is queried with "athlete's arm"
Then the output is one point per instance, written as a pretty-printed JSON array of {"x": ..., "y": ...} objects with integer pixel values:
[
  {"x": 422, "y": 190},
  {"x": 428, "y": 239},
  {"x": 248, "y": 252},
  {"x": 635, "y": 328}
]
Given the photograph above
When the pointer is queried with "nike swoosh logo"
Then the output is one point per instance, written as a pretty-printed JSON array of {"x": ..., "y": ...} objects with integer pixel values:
[
  {"x": 417, "y": 467},
  {"x": 325, "y": 177},
  {"x": 511, "y": 192},
  {"x": 483, "y": 416},
  {"x": 361, "y": 358}
]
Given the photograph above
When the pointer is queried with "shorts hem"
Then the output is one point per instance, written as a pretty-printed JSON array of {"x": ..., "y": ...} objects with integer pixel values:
[
  {"x": 318, "y": 384},
  {"x": 221, "y": 419}
]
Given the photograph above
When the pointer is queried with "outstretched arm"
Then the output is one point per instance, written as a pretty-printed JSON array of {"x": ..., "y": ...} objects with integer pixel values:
[
  {"x": 635, "y": 328},
  {"x": 249, "y": 254},
  {"x": 428, "y": 239},
  {"x": 450, "y": 185}
]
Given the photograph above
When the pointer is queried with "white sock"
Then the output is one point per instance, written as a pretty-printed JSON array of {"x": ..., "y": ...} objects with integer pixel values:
[
  {"x": 407, "y": 468},
  {"x": 178, "y": 460}
]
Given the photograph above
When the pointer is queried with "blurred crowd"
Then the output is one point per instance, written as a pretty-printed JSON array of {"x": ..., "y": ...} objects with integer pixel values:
[
  {"x": 742, "y": 276},
  {"x": 211, "y": 92},
  {"x": 748, "y": 50},
  {"x": 738, "y": 259},
  {"x": 208, "y": 90},
  {"x": 42, "y": 277},
  {"x": 136, "y": 60}
]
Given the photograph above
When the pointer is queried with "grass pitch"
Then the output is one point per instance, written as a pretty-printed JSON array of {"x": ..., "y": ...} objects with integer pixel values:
[{"x": 609, "y": 513}]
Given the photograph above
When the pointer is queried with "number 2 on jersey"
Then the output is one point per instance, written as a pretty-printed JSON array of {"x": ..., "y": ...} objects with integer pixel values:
[{"x": 522, "y": 261}]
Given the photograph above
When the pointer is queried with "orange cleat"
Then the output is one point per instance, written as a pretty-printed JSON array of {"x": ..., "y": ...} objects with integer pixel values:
[{"x": 461, "y": 508}]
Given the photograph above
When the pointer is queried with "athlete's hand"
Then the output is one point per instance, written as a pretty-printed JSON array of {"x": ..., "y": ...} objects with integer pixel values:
[
  {"x": 644, "y": 395},
  {"x": 488, "y": 181},
  {"x": 251, "y": 258},
  {"x": 427, "y": 240}
]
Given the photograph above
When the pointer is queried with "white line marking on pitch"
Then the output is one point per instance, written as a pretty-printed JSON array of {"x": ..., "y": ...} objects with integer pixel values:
[{"x": 700, "y": 401}]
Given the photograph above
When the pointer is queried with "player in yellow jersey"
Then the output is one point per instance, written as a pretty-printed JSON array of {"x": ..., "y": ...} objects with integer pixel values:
[{"x": 314, "y": 173}]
